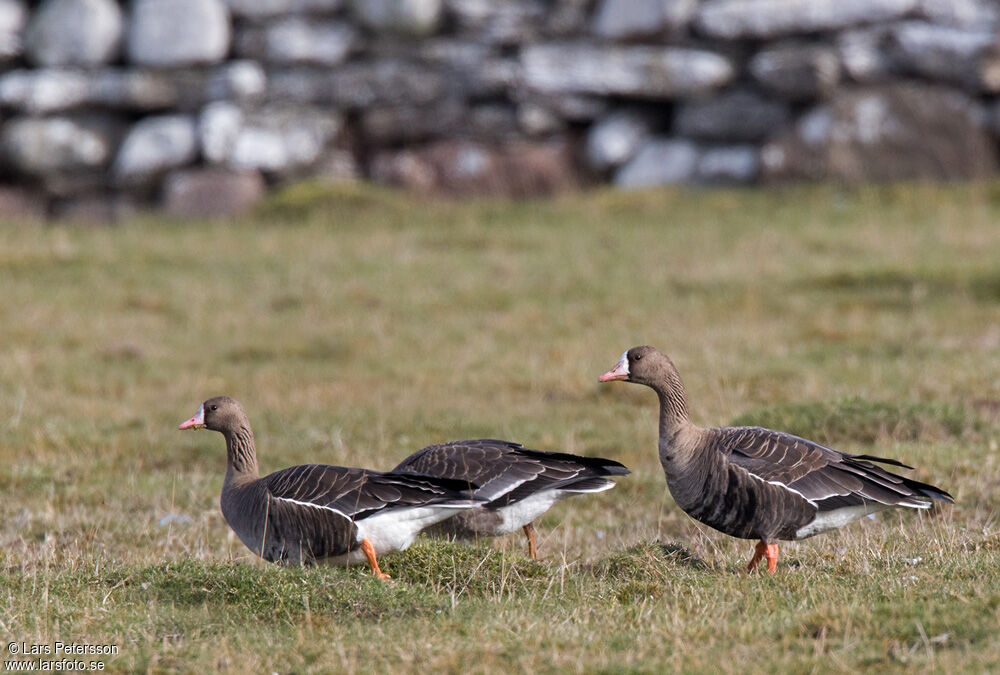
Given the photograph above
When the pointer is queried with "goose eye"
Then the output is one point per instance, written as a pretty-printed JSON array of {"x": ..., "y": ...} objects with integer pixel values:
[
  {"x": 637, "y": 357},
  {"x": 215, "y": 407}
]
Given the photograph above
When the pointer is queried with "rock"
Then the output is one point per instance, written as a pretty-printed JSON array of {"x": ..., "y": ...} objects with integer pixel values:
[
  {"x": 219, "y": 125},
  {"x": 642, "y": 72},
  {"x": 359, "y": 85},
  {"x": 738, "y": 164},
  {"x": 538, "y": 120},
  {"x": 468, "y": 168},
  {"x": 575, "y": 108},
  {"x": 973, "y": 14},
  {"x": 498, "y": 23},
  {"x": 967, "y": 57},
  {"x": 406, "y": 124},
  {"x": 20, "y": 204},
  {"x": 153, "y": 146},
  {"x": 59, "y": 145},
  {"x": 336, "y": 165},
  {"x": 740, "y": 115},
  {"x": 298, "y": 40},
  {"x": 211, "y": 193},
  {"x": 280, "y": 139},
  {"x": 44, "y": 91},
  {"x": 95, "y": 209},
  {"x": 74, "y": 33},
  {"x": 13, "y": 17},
  {"x": 256, "y": 10},
  {"x": 761, "y": 19},
  {"x": 48, "y": 90},
  {"x": 660, "y": 161},
  {"x": 895, "y": 132},
  {"x": 172, "y": 33},
  {"x": 615, "y": 139},
  {"x": 863, "y": 57},
  {"x": 237, "y": 81},
  {"x": 797, "y": 71},
  {"x": 415, "y": 18},
  {"x": 642, "y": 19}
]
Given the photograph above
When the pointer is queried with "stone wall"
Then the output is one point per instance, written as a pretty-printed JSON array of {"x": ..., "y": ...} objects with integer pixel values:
[{"x": 199, "y": 105}]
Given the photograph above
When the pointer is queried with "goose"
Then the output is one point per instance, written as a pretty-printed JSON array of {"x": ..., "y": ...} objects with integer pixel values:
[
  {"x": 756, "y": 483},
  {"x": 517, "y": 484},
  {"x": 318, "y": 513}
]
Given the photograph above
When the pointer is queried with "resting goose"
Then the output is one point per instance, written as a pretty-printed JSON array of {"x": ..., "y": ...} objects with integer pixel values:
[
  {"x": 756, "y": 483},
  {"x": 317, "y": 513},
  {"x": 517, "y": 484}
]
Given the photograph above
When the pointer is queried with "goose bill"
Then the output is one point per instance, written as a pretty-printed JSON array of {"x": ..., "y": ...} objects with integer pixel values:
[
  {"x": 196, "y": 422},
  {"x": 619, "y": 372}
]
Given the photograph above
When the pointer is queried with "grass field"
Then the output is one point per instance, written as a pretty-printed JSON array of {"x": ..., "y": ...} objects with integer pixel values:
[{"x": 357, "y": 326}]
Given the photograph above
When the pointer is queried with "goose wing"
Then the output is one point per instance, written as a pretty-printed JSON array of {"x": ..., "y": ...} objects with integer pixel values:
[
  {"x": 825, "y": 477},
  {"x": 508, "y": 472},
  {"x": 356, "y": 494}
]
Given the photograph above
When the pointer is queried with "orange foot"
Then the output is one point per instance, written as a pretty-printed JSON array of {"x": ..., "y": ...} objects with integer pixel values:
[
  {"x": 769, "y": 551},
  {"x": 369, "y": 551},
  {"x": 529, "y": 532}
]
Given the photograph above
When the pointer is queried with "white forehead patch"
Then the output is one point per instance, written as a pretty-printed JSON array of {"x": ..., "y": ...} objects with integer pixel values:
[{"x": 623, "y": 363}]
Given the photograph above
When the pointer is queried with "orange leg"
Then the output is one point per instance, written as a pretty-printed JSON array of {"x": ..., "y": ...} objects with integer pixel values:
[
  {"x": 529, "y": 532},
  {"x": 369, "y": 551},
  {"x": 768, "y": 551}
]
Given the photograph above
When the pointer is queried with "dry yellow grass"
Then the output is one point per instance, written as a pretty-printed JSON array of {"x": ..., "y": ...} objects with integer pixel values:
[{"x": 357, "y": 326}]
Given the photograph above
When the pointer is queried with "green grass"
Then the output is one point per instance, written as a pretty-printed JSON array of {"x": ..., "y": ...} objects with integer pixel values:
[{"x": 357, "y": 325}]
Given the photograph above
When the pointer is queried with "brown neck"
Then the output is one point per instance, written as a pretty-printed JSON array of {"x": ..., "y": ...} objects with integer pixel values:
[
  {"x": 241, "y": 452},
  {"x": 673, "y": 403}
]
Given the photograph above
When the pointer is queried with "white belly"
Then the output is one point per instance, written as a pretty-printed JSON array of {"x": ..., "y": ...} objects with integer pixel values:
[
  {"x": 519, "y": 514},
  {"x": 831, "y": 520}
]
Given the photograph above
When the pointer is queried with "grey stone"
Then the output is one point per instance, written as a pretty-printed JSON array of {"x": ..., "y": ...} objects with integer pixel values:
[
  {"x": 13, "y": 17},
  {"x": 642, "y": 19},
  {"x": 211, "y": 193},
  {"x": 863, "y": 56},
  {"x": 155, "y": 145},
  {"x": 966, "y": 57},
  {"x": 467, "y": 168},
  {"x": 95, "y": 209},
  {"x": 21, "y": 204},
  {"x": 336, "y": 165},
  {"x": 282, "y": 139},
  {"x": 398, "y": 17},
  {"x": 74, "y": 33},
  {"x": 762, "y": 19},
  {"x": 47, "y": 90},
  {"x": 172, "y": 33},
  {"x": 38, "y": 146},
  {"x": 509, "y": 22},
  {"x": 406, "y": 124},
  {"x": 740, "y": 116},
  {"x": 538, "y": 120},
  {"x": 219, "y": 125},
  {"x": 736, "y": 164},
  {"x": 237, "y": 81},
  {"x": 359, "y": 85},
  {"x": 660, "y": 161},
  {"x": 642, "y": 72},
  {"x": 298, "y": 40},
  {"x": 44, "y": 91},
  {"x": 797, "y": 71},
  {"x": 973, "y": 14},
  {"x": 615, "y": 139},
  {"x": 255, "y": 10},
  {"x": 894, "y": 132}
]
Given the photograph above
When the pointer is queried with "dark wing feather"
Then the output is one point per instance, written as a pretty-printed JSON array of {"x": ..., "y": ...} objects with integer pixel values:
[
  {"x": 358, "y": 493},
  {"x": 826, "y": 477},
  {"x": 508, "y": 472}
]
